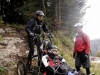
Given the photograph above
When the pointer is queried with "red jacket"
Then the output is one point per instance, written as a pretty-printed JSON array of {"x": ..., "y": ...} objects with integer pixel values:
[{"x": 82, "y": 42}]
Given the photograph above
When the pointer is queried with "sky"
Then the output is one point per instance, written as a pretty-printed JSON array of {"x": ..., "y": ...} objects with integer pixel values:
[{"x": 92, "y": 19}]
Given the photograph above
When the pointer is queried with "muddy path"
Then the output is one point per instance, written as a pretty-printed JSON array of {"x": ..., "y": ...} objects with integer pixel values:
[{"x": 13, "y": 47}]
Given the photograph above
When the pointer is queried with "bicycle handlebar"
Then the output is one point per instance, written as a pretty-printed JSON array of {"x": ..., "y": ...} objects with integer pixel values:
[{"x": 43, "y": 36}]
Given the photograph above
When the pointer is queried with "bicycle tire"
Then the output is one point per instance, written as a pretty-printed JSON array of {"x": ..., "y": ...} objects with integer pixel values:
[{"x": 21, "y": 68}]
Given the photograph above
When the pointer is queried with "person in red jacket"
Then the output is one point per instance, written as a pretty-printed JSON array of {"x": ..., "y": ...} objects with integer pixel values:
[{"x": 81, "y": 49}]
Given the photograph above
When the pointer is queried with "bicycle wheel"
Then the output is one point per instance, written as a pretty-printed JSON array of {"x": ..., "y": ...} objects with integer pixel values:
[{"x": 21, "y": 68}]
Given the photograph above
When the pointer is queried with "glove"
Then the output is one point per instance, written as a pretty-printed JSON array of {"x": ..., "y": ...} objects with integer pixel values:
[
  {"x": 74, "y": 55},
  {"x": 50, "y": 68},
  {"x": 86, "y": 56},
  {"x": 31, "y": 34},
  {"x": 50, "y": 35}
]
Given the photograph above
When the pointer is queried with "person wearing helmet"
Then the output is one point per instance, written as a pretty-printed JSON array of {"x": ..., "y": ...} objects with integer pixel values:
[
  {"x": 34, "y": 27},
  {"x": 52, "y": 49},
  {"x": 78, "y": 25},
  {"x": 52, "y": 61},
  {"x": 81, "y": 49}
]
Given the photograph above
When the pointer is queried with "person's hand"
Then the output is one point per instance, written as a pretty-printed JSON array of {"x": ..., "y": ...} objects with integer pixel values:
[
  {"x": 51, "y": 35},
  {"x": 86, "y": 56},
  {"x": 32, "y": 34},
  {"x": 74, "y": 55}
]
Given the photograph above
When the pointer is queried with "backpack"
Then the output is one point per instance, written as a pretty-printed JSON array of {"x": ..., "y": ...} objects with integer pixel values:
[{"x": 83, "y": 38}]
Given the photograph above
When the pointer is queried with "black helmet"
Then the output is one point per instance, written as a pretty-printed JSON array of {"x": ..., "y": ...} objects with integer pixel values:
[
  {"x": 51, "y": 47},
  {"x": 39, "y": 13}
]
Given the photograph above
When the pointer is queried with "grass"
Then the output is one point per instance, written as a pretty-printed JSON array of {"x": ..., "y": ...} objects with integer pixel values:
[
  {"x": 3, "y": 71},
  {"x": 95, "y": 68}
]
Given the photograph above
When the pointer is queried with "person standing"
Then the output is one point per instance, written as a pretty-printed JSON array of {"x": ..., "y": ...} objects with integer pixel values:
[
  {"x": 81, "y": 49},
  {"x": 34, "y": 27}
]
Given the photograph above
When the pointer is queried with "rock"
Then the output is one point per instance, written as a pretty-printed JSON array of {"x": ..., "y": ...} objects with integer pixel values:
[
  {"x": 9, "y": 64},
  {"x": 3, "y": 42},
  {"x": 27, "y": 52},
  {"x": 10, "y": 30},
  {"x": 2, "y": 30},
  {"x": 1, "y": 46},
  {"x": 10, "y": 73}
]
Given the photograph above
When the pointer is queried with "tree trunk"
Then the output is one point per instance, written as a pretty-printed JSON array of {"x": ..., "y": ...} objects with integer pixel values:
[
  {"x": 56, "y": 14},
  {"x": 59, "y": 14},
  {"x": 43, "y": 1}
]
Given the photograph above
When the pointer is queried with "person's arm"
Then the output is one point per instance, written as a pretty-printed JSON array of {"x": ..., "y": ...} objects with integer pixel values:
[
  {"x": 45, "y": 28},
  {"x": 44, "y": 60},
  {"x": 87, "y": 44},
  {"x": 74, "y": 51},
  {"x": 29, "y": 26}
]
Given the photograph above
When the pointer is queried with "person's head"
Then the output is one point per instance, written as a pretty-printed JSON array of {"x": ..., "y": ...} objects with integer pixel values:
[
  {"x": 52, "y": 49},
  {"x": 39, "y": 15},
  {"x": 78, "y": 27}
]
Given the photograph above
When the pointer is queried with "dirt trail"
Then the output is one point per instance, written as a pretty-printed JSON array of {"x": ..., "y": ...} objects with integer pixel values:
[{"x": 13, "y": 45}]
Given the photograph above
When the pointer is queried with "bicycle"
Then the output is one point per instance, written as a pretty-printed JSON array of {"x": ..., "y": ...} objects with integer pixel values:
[{"x": 22, "y": 69}]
